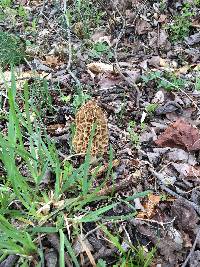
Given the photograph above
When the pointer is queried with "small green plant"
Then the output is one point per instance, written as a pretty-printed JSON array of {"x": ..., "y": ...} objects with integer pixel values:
[
  {"x": 12, "y": 49},
  {"x": 84, "y": 15},
  {"x": 40, "y": 97},
  {"x": 180, "y": 28},
  {"x": 134, "y": 256},
  {"x": 5, "y": 3},
  {"x": 151, "y": 108},
  {"x": 197, "y": 3},
  {"x": 163, "y": 5},
  {"x": 33, "y": 27},
  {"x": 134, "y": 137},
  {"x": 99, "y": 49},
  {"x": 165, "y": 80},
  {"x": 197, "y": 84},
  {"x": 137, "y": 257},
  {"x": 22, "y": 12},
  {"x": 79, "y": 100},
  {"x": 13, "y": 14}
]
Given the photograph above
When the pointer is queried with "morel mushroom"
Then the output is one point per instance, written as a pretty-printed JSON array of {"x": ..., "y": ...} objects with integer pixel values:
[{"x": 88, "y": 115}]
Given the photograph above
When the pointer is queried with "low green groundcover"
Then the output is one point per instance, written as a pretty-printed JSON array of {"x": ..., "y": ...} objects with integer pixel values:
[{"x": 12, "y": 49}]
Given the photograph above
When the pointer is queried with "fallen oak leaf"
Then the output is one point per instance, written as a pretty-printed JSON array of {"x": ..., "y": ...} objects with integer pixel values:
[{"x": 180, "y": 134}]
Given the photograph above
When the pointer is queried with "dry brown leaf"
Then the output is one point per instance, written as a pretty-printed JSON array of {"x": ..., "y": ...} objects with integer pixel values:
[
  {"x": 108, "y": 80},
  {"x": 188, "y": 171},
  {"x": 149, "y": 207},
  {"x": 182, "y": 70},
  {"x": 180, "y": 134},
  {"x": 162, "y": 18},
  {"x": 51, "y": 61},
  {"x": 100, "y": 36},
  {"x": 142, "y": 27}
]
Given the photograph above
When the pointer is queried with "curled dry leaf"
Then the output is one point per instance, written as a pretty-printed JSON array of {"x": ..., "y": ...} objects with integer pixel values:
[
  {"x": 180, "y": 134},
  {"x": 168, "y": 107},
  {"x": 22, "y": 77},
  {"x": 157, "y": 62},
  {"x": 193, "y": 39},
  {"x": 149, "y": 207},
  {"x": 100, "y": 67},
  {"x": 100, "y": 36},
  {"x": 159, "y": 97},
  {"x": 52, "y": 61}
]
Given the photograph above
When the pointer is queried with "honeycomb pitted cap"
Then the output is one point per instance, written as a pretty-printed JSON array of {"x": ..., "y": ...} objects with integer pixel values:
[{"x": 88, "y": 115}]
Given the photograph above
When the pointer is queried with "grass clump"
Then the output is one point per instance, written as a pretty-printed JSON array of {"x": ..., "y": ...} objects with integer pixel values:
[
  {"x": 83, "y": 16},
  {"x": 12, "y": 49},
  {"x": 29, "y": 209}
]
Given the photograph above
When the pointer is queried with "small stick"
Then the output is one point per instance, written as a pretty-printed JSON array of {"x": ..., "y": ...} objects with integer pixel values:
[
  {"x": 171, "y": 192},
  {"x": 122, "y": 184},
  {"x": 70, "y": 47},
  {"x": 128, "y": 80}
]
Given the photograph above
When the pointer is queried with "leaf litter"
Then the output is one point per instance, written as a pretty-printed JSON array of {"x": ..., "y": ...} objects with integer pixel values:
[{"x": 157, "y": 152}]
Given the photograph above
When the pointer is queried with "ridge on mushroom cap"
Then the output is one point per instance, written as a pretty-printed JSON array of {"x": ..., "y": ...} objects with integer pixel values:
[{"x": 88, "y": 115}]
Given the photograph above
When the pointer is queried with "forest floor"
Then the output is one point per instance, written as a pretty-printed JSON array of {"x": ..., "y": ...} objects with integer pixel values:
[{"x": 138, "y": 202}]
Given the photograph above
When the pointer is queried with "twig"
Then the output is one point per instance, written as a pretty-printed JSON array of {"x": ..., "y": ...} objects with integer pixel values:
[
  {"x": 122, "y": 184},
  {"x": 128, "y": 80},
  {"x": 154, "y": 221},
  {"x": 69, "y": 46},
  {"x": 171, "y": 192},
  {"x": 71, "y": 156},
  {"x": 192, "y": 249}
]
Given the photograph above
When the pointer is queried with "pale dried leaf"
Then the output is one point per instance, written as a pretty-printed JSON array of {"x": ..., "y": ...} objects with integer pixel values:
[{"x": 100, "y": 67}]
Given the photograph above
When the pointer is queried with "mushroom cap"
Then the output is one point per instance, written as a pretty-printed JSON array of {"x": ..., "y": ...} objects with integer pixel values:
[{"x": 88, "y": 115}]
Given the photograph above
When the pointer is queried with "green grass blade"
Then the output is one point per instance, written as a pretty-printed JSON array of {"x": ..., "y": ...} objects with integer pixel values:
[
  {"x": 62, "y": 249},
  {"x": 71, "y": 252}
]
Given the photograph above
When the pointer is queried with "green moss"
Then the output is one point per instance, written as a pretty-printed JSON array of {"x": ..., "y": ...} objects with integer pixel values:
[{"x": 12, "y": 49}]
